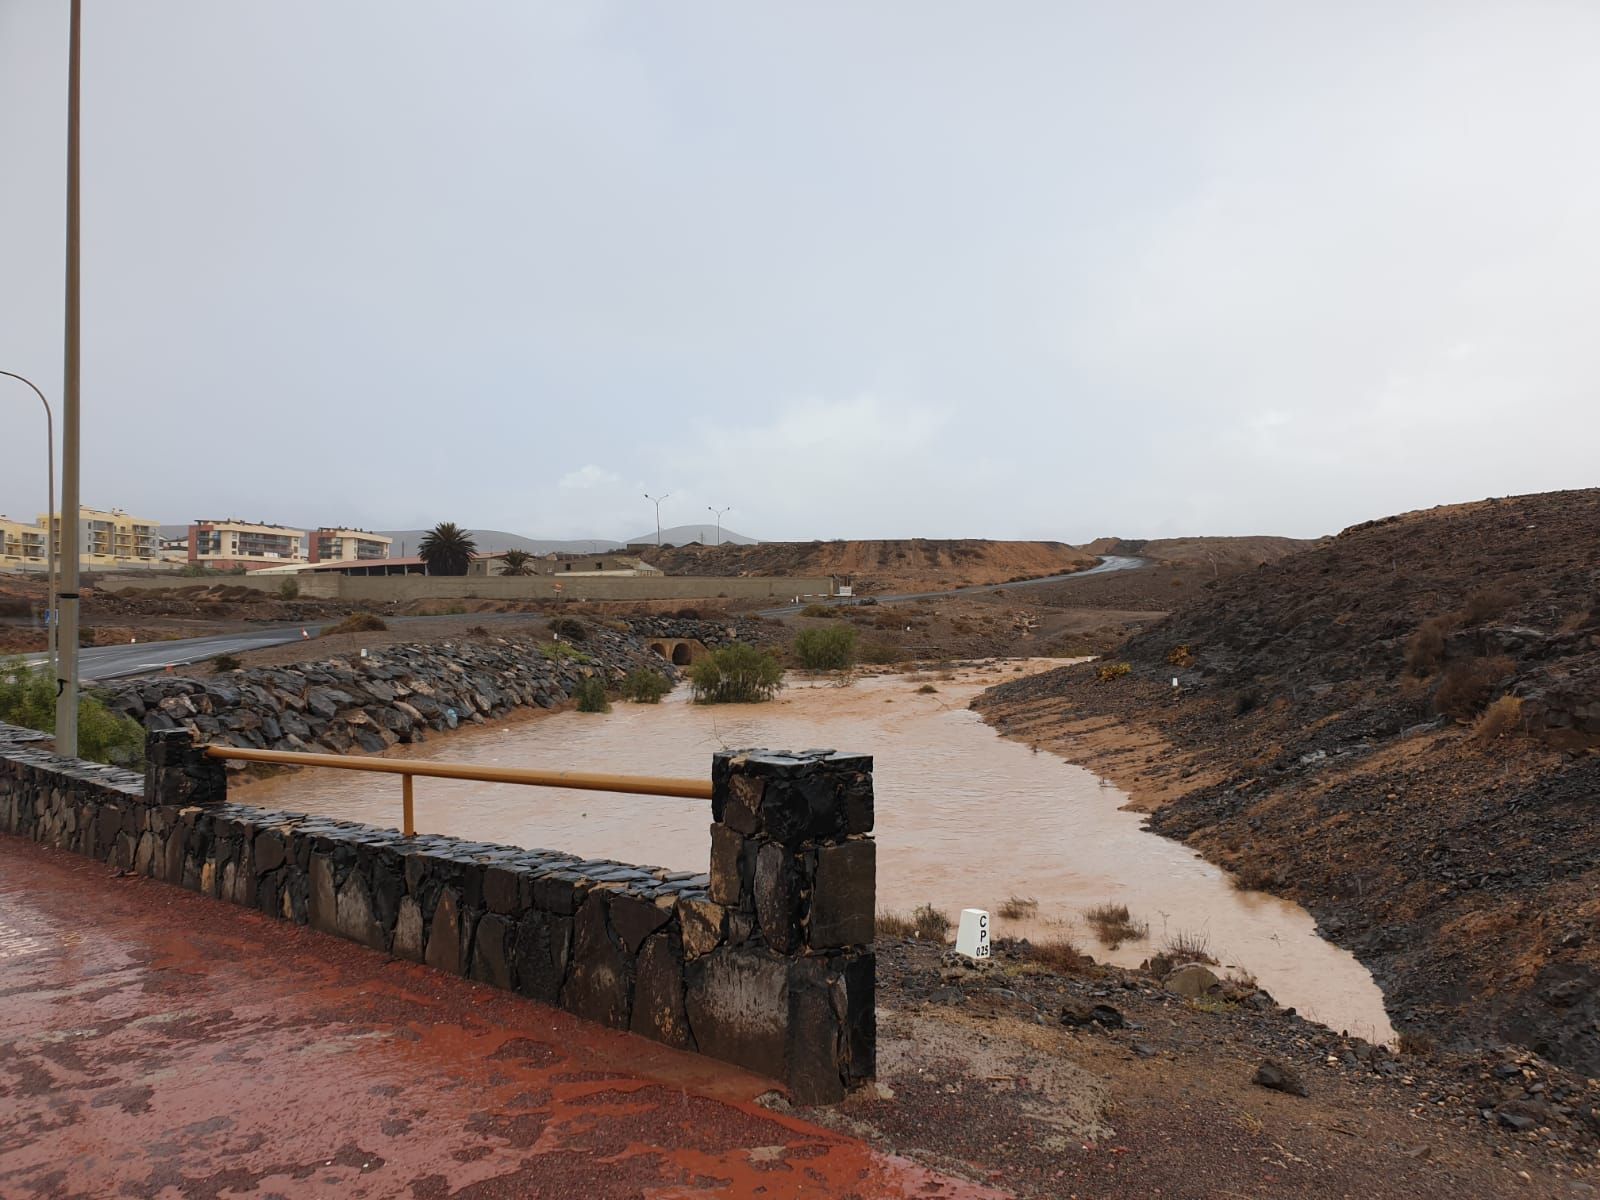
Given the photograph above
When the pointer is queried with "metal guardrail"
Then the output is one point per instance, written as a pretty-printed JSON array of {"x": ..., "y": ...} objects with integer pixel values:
[{"x": 638, "y": 785}]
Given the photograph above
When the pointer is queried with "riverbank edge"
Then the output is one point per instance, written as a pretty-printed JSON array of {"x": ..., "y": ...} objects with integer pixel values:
[{"x": 366, "y": 703}]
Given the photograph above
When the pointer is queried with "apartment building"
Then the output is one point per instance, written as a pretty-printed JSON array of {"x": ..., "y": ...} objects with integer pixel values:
[
  {"x": 225, "y": 545},
  {"x": 109, "y": 539},
  {"x": 328, "y": 544},
  {"x": 22, "y": 546}
]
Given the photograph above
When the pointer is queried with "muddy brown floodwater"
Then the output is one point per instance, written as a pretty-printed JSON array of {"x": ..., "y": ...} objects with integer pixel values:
[{"x": 965, "y": 819}]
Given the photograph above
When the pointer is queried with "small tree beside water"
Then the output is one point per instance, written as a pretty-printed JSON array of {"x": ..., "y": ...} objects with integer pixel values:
[
  {"x": 736, "y": 674},
  {"x": 826, "y": 647}
]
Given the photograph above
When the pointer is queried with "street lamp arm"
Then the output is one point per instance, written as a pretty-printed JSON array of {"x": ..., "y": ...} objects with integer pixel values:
[{"x": 50, "y": 512}]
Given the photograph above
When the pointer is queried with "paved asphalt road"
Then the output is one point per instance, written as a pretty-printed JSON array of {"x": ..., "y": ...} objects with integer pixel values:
[
  {"x": 1107, "y": 564},
  {"x": 100, "y": 663},
  {"x": 137, "y": 658}
]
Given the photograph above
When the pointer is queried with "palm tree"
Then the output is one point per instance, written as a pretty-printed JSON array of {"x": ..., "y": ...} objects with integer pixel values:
[
  {"x": 447, "y": 550},
  {"x": 516, "y": 562}
]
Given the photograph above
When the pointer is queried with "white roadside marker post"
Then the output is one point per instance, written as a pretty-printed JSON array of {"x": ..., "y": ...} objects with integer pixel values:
[{"x": 972, "y": 936}]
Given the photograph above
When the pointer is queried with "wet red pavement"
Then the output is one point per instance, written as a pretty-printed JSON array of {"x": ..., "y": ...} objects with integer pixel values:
[{"x": 159, "y": 1044}]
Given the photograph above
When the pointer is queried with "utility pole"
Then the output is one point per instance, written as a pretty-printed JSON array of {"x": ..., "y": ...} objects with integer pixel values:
[
  {"x": 67, "y": 597},
  {"x": 658, "y": 500},
  {"x": 719, "y": 512}
]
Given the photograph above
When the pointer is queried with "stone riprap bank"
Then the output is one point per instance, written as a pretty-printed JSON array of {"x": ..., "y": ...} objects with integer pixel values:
[
  {"x": 766, "y": 962},
  {"x": 396, "y": 694}
]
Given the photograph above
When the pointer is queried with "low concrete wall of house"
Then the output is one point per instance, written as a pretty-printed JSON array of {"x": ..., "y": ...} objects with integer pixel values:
[
  {"x": 374, "y": 589},
  {"x": 766, "y": 962}
]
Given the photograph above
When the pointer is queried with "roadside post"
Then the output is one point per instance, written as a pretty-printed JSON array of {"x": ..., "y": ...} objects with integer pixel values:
[{"x": 972, "y": 936}]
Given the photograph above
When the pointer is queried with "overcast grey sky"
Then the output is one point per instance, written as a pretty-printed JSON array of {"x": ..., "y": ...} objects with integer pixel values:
[{"x": 856, "y": 269}]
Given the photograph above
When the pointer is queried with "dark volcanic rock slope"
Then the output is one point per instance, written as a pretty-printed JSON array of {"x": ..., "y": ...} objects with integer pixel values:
[{"x": 1407, "y": 722}]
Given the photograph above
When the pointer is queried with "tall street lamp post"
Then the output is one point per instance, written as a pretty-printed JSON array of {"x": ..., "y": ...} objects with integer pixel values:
[
  {"x": 657, "y": 500},
  {"x": 719, "y": 512},
  {"x": 50, "y": 513}
]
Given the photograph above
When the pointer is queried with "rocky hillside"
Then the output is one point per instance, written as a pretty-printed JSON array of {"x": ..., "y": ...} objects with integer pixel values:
[
  {"x": 398, "y": 693},
  {"x": 1399, "y": 728},
  {"x": 910, "y": 564}
]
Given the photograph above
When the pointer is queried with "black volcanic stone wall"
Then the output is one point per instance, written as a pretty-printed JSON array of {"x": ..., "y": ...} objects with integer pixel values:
[{"x": 765, "y": 963}]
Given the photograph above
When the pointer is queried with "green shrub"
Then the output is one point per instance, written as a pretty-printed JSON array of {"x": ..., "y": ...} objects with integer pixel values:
[
  {"x": 591, "y": 695},
  {"x": 28, "y": 698},
  {"x": 564, "y": 652},
  {"x": 645, "y": 686},
  {"x": 289, "y": 589},
  {"x": 736, "y": 674},
  {"x": 826, "y": 647},
  {"x": 1112, "y": 671}
]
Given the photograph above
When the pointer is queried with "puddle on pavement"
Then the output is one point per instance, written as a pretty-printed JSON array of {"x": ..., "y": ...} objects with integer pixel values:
[{"x": 965, "y": 818}]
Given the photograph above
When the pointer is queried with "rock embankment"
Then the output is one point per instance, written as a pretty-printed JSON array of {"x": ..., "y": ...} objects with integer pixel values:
[{"x": 351, "y": 704}]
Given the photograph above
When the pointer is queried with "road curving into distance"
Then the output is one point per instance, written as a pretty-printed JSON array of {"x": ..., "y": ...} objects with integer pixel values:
[{"x": 100, "y": 663}]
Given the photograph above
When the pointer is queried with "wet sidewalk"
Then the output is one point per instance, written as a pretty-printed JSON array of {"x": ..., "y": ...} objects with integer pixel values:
[{"x": 159, "y": 1044}]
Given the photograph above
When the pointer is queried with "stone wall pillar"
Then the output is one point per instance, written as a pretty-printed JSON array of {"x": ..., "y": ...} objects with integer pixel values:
[
  {"x": 794, "y": 864},
  {"x": 178, "y": 773}
]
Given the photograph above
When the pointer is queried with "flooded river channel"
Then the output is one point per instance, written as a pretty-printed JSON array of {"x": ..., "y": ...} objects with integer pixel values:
[{"x": 965, "y": 818}]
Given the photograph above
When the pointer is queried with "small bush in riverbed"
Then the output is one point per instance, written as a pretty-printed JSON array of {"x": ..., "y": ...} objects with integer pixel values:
[
  {"x": 1113, "y": 924},
  {"x": 570, "y": 628},
  {"x": 880, "y": 653},
  {"x": 288, "y": 590},
  {"x": 645, "y": 686},
  {"x": 591, "y": 696},
  {"x": 736, "y": 674},
  {"x": 1015, "y": 908},
  {"x": 1112, "y": 671},
  {"x": 826, "y": 647},
  {"x": 816, "y": 610},
  {"x": 927, "y": 689},
  {"x": 225, "y": 662}
]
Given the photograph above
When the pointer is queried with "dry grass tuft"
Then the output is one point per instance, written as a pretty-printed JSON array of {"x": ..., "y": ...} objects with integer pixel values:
[
  {"x": 1056, "y": 953},
  {"x": 1413, "y": 1044},
  {"x": 925, "y": 922},
  {"x": 1500, "y": 718},
  {"x": 1467, "y": 686},
  {"x": 1488, "y": 604},
  {"x": 1425, "y": 650},
  {"x": 356, "y": 623}
]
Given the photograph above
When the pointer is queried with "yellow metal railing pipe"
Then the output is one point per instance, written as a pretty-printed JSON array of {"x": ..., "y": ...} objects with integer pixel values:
[{"x": 638, "y": 785}]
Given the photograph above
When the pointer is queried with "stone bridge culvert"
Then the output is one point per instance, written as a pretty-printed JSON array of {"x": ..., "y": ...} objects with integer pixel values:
[{"x": 680, "y": 651}]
